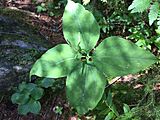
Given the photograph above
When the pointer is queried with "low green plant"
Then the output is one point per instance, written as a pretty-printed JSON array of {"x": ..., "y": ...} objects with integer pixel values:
[
  {"x": 45, "y": 83},
  {"x": 27, "y": 95},
  {"x": 58, "y": 110},
  {"x": 87, "y": 67},
  {"x": 128, "y": 114},
  {"x": 41, "y": 8},
  {"x": 153, "y": 15},
  {"x": 142, "y": 5},
  {"x": 111, "y": 110},
  {"x": 52, "y": 8},
  {"x": 141, "y": 35}
]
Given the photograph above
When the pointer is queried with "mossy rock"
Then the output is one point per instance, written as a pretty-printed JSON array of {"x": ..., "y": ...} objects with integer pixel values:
[{"x": 20, "y": 46}]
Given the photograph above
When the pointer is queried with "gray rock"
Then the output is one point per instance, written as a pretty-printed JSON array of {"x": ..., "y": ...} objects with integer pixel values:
[{"x": 20, "y": 46}]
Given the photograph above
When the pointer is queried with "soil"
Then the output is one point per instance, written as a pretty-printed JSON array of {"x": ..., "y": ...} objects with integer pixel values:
[
  {"x": 8, "y": 111},
  {"x": 50, "y": 28}
]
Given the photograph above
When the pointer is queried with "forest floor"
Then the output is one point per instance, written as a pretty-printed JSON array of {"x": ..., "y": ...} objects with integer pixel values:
[{"x": 51, "y": 29}]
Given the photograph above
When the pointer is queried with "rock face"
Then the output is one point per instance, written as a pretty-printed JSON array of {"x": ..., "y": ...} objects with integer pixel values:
[{"x": 20, "y": 46}]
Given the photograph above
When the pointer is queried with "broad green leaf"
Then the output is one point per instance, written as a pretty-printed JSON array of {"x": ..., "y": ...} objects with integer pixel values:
[
  {"x": 85, "y": 87},
  {"x": 126, "y": 108},
  {"x": 116, "y": 56},
  {"x": 153, "y": 13},
  {"x": 32, "y": 106},
  {"x": 26, "y": 87},
  {"x": 139, "y": 5},
  {"x": 56, "y": 62},
  {"x": 30, "y": 87},
  {"x": 79, "y": 26},
  {"x": 109, "y": 116},
  {"x": 22, "y": 86},
  {"x": 19, "y": 98},
  {"x": 35, "y": 107},
  {"x": 46, "y": 82},
  {"x": 37, "y": 93},
  {"x": 23, "y": 109}
]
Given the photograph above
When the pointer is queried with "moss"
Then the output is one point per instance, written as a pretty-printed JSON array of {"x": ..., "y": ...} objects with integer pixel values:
[
  {"x": 20, "y": 45},
  {"x": 12, "y": 33},
  {"x": 22, "y": 19},
  {"x": 15, "y": 14}
]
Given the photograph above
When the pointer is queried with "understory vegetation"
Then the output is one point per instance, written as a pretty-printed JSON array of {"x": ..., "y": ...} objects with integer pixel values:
[{"x": 109, "y": 67}]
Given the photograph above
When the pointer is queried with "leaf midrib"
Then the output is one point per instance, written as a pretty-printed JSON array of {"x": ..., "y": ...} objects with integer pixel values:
[{"x": 131, "y": 58}]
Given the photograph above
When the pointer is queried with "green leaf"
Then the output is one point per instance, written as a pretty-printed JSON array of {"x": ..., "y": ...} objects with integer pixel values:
[
  {"x": 157, "y": 43},
  {"x": 56, "y": 62},
  {"x": 46, "y": 82},
  {"x": 26, "y": 88},
  {"x": 37, "y": 93},
  {"x": 23, "y": 109},
  {"x": 126, "y": 108},
  {"x": 153, "y": 13},
  {"x": 139, "y": 5},
  {"x": 114, "y": 110},
  {"x": 79, "y": 26},
  {"x": 35, "y": 107},
  {"x": 109, "y": 99},
  {"x": 109, "y": 116},
  {"x": 19, "y": 98},
  {"x": 110, "y": 104},
  {"x": 85, "y": 87},
  {"x": 22, "y": 86},
  {"x": 30, "y": 87},
  {"x": 116, "y": 56},
  {"x": 85, "y": 2},
  {"x": 32, "y": 106},
  {"x": 39, "y": 9}
]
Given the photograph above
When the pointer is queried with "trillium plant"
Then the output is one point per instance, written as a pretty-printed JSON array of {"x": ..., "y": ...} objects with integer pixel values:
[{"x": 87, "y": 67}]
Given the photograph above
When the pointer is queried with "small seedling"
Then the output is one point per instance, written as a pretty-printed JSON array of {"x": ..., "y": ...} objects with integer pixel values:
[
  {"x": 58, "y": 110},
  {"x": 27, "y": 96}
]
